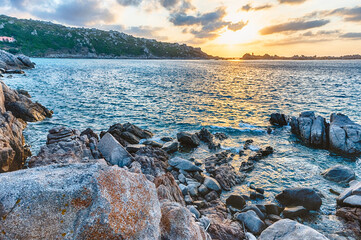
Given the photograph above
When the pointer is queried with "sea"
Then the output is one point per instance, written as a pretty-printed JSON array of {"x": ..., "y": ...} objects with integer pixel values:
[{"x": 232, "y": 97}]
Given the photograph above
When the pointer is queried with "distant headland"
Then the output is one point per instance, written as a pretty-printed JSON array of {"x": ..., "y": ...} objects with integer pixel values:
[{"x": 252, "y": 56}]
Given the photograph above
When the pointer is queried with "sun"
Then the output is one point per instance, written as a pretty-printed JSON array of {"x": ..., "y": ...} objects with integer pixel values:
[{"x": 248, "y": 34}]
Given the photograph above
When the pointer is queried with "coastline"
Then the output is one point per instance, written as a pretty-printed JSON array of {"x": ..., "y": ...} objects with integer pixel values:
[{"x": 149, "y": 157}]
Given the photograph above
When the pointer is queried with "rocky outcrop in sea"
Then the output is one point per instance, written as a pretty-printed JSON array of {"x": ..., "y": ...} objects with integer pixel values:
[
  {"x": 340, "y": 134},
  {"x": 11, "y": 64}
]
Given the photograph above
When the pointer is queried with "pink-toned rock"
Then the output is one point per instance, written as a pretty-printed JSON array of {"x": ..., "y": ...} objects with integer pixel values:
[
  {"x": 78, "y": 201},
  {"x": 168, "y": 189},
  {"x": 177, "y": 223}
]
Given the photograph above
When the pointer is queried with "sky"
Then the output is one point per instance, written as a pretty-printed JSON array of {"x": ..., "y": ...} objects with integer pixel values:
[{"x": 226, "y": 28}]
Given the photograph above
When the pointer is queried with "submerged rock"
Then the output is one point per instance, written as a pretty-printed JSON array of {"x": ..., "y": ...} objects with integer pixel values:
[
  {"x": 78, "y": 201},
  {"x": 305, "y": 197},
  {"x": 339, "y": 173},
  {"x": 287, "y": 229},
  {"x": 236, "y": 201},
  {"x": 188, "y": 140}
]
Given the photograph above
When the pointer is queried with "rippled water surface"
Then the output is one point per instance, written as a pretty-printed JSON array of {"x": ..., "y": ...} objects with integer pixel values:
[{"x": 234, "y": 97}]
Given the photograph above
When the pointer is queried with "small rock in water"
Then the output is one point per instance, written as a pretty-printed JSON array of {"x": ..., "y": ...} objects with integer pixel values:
[
  {"x": 236, "y": 201},
  {"x": 153, "y": 143},
  {"x": 292, "y": 212},
  {"x": 255, "y": 195},
  {"x": 220, "y": 136},
  {"x": 171, "y": 147},
  {"x": 339, "y": 173},
  {"x": 306, "y": 197},
  {"x": 188, "y": 140},
  {"x": 166, "y": 139}
]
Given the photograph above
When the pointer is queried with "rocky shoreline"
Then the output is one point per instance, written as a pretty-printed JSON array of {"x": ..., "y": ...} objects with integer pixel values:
[{"x": 120, "y": 184}]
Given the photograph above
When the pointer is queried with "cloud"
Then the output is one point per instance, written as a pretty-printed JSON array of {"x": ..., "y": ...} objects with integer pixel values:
[
  {"x": 129, "y": 2},
  {"x": 352, "y": 35},
  {"x": 321, "y": 33},
  {"x": 146, "y": 32},
  {"x": 293, "y": 26},
  {"x": 74, "y": 12},
  {"x": 349, "y": 14},
  {"x": 249, "y": 7},
  {"x": 206, "y": 25},
  {"x": 292, "y": 1}
]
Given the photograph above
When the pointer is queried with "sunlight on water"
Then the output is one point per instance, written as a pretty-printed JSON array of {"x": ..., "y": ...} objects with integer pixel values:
[{"x": 234, "y": 97}]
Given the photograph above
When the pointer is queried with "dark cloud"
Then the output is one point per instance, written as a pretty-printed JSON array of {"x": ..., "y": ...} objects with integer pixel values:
[
  {"x": 129, "y": 2},
  {"x": 205, "y": 25},
  {"x": 349, "y": 14},
  {"x": 74, "y": 12},
  {"x": 293, "y": 26},
  {"x": 352, "y": 35},
  {"x": 146, "y": 32},
  {"x": 292, "y": 1},
  {"x": 180, "y": 5},
  {"x": 320, "y": 33},
  {"x": 249, "y": 7}
]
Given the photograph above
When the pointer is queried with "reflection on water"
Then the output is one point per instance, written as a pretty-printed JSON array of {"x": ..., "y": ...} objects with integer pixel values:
[{"x": 232, "y": 97}]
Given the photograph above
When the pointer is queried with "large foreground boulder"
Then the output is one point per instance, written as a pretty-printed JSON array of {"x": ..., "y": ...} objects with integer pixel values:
[
  {"x": 305, "y": 197},
  {"x": 287, "y": 229},
  {"x": 345, "y": 135},
  {"x": 78, "y": 201},
  {"x": 22, "y": 107}
]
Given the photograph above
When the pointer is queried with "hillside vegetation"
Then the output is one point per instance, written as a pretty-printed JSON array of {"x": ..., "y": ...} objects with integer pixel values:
[{"x": 44, "y": 39}]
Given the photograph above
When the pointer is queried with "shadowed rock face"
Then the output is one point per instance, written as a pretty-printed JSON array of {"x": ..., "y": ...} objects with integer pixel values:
[
  {"x": 22, "y": 107},
  {"x": 10, "y": 61},
  {"x": 78, "y": 201},
  {"x": 128, "y": 133}
]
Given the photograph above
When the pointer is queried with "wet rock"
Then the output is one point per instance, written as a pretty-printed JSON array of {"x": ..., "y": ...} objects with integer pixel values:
[
  {"x": 339, "y": 173},
  {"x": 220, "y": 136},
  {"x": 246, "y": 166},
  {"x": 133, "y": 148},
  {"x": 24, "y": 92},
  {"x": 166, "y": 139},
  {"x": 212, "y": 184},
  {"x": 228, "y": 177},
  {"x": 287, "y": 229},
  {"x": 278, "y": 119},
  {"x": 153, "y": 144},
  {"x": 114, "y": 152},
  {"x": 272, "y": 209},
  {"x": 85, "y": 201},
  {"x": 345, "y": 135},
  {"x": 256, "y": 195},
  {"x": 292, "y": 212},
  {"x": 183, "y": 164},
  {"x": 10, "y": 60},
  {"x": 128, "y": 133},
  {"x": 251, "y": 221},
  {"x": 207, "y": 137},
  {"x": 14, "y": 71},
  {"x": 64, "y": 146},
  {"x": 168, "y": 189},
  {"x": 25, "y": 60},
  {"x": 188, "y": 140},
  {"x": 353, "y": 200},
  {"x": 236, "y": 201},
  {"x": 171, "y": 147},
  {"x": 305, "y": 197},
  {"x": 352, "y": 218},
  {"x": 274, "y": 217},
  {"x": 22, "y": 107}
]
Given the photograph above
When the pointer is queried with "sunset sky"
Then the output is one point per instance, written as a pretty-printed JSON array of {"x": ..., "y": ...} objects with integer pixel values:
[{"x": 227, "y": 28}]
